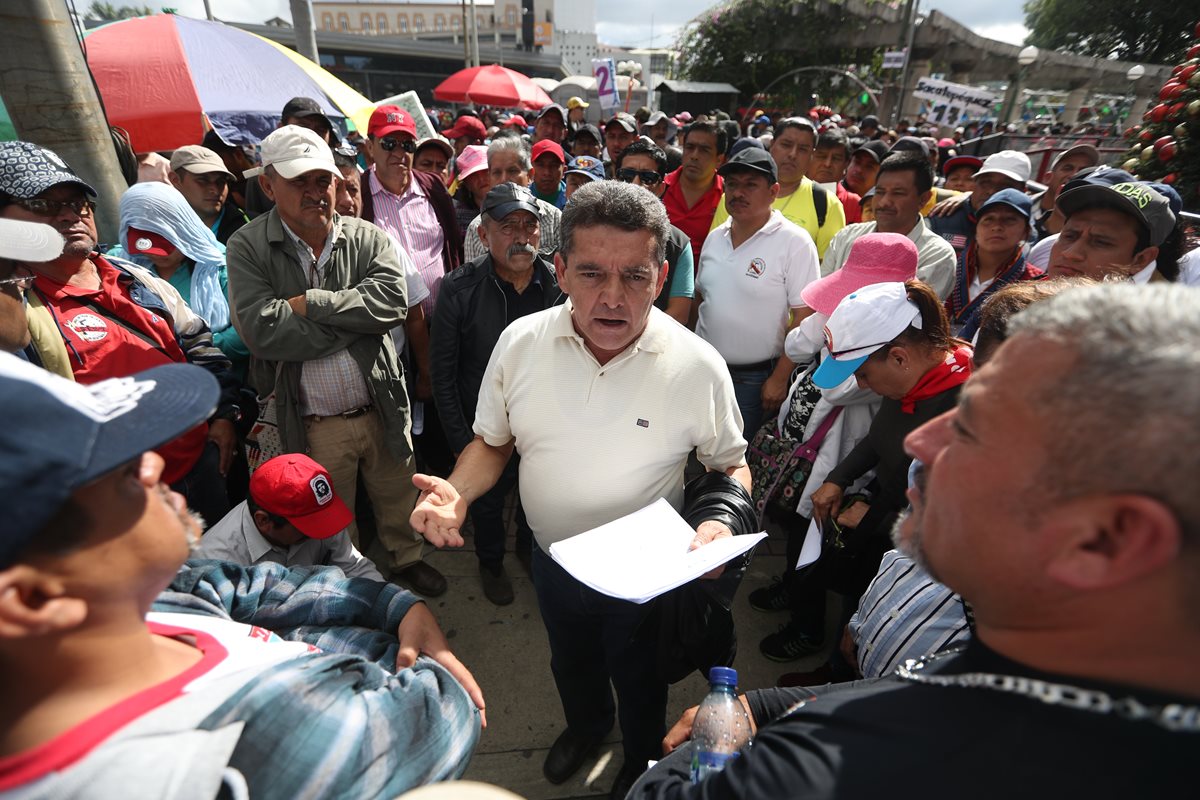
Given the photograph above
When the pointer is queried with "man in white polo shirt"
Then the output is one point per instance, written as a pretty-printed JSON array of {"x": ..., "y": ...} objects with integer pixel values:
[
  {"x": 604, "y": 398},
  {"x": 752, "y": 269}
]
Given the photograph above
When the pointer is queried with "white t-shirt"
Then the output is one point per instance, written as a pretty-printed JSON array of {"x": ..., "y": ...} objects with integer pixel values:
[
  {"x": 599, "y": 442},
  {"x": 749, "y": 290}
]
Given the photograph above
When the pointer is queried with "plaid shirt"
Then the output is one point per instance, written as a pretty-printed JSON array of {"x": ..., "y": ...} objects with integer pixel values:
[
  {"x": 335, "y": 724},
  {"x": 333, "y": 384}
]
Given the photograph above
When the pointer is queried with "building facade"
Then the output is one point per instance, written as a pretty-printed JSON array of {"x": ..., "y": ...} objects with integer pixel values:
[{"x": 407, "y": 19}]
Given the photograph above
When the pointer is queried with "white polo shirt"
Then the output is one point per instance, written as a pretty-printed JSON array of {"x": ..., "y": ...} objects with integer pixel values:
[
  {"x": 598, "y": 442},
  {"x": 748, "y": 290}
]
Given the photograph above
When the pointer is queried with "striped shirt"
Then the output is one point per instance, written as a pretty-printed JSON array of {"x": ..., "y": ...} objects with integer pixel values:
[
  {"x": 333, "y": 384},
  {"x": 410, "y": 218},
  {"x": 904, "y": 614},
  {"x": 549, "y": 220}
]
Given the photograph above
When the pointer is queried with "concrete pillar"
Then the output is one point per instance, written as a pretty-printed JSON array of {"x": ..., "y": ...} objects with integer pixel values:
[
  {"x": 1075, "y": 101},
  {"x": 52, "y": 101}
]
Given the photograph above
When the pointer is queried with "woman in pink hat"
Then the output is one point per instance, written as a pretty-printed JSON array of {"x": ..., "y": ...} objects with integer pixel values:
[
  {"x": 843, "y": 415},
  {"x": 471, "y": 175}
]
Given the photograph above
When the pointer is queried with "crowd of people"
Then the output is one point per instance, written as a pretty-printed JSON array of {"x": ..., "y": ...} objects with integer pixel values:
[{"x": 232, "y": 431}]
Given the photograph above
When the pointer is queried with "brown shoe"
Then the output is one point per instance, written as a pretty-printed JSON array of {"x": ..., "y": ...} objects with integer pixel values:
[{"x": 422, "y": 579}]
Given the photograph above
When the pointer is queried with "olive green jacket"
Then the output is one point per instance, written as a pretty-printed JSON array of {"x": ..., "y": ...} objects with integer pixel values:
[{"x": 361, "y": 300}]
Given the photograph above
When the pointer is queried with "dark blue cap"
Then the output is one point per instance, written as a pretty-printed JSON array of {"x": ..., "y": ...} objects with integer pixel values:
[
  {"x": 1011, "y": 198},
  {"x": 60, "y": 435}
]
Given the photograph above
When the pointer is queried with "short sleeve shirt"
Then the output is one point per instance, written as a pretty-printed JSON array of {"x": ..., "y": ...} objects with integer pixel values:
[
  {"x": 748, "y": 290},
  {"x": 596, "y": 441}
]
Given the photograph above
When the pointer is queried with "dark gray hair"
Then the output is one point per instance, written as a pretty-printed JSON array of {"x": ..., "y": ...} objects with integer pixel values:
[
  {"x": 1126, "y": 413},
  {"x": 619, "y": 205},
  {"x": 510, "y": 144}
]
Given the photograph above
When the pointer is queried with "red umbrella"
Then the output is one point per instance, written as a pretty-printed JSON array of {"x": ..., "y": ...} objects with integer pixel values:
[{"x": 492, "y": 85}]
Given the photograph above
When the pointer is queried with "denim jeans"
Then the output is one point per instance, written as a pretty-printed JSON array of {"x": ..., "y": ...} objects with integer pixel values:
[
  {"x": 747, "y": 390},
  {"x": 590, "y": 645}
]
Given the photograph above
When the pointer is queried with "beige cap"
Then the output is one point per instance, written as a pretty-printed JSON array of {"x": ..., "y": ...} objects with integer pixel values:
[
  {"x": 197, "y": 159},
  {"x": 293, "y": 151},
  {"x": 459, "y": 790}
]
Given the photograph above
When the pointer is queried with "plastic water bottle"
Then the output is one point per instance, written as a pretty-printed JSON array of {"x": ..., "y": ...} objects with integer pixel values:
[{"x": 721, "y": 727}]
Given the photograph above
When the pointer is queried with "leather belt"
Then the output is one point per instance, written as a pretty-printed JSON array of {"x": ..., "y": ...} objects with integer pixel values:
[
  {"x": 353, "y": 413},
  {"x": 769, "y": 364}
]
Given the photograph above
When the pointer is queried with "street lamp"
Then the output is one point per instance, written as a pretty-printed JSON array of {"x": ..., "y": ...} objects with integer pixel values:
[
  {"x": 1133, "y": 74},
  {"x": 1025, "y": 59}
]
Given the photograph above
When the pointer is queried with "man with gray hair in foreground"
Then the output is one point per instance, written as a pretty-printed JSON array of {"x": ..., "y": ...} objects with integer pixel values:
[
  {"x": 509, "y": 162},
  {"x": 1080, "y": 567},
  {"x": 604, "y": 398}
]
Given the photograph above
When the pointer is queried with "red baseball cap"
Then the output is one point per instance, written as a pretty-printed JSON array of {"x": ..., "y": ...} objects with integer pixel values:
[
  {"x": 517, "y": 119},
  {"x": 466, "y": 126},
  {"x": 547, "y": 146},
  {"x": 299, "y": 489},
  {"x": 391, "y": 119},
  {"x": 147, "y": 243}
]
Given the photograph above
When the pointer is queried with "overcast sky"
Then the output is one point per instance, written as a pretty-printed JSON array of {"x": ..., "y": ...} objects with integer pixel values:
[{"x": 628, "y": 22}]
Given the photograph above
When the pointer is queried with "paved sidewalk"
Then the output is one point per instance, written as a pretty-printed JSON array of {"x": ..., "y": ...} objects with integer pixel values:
[{"x": 506, "y": 650}]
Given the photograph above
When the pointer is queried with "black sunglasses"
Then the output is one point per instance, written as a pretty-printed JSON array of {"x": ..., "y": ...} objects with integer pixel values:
[
  {"x": 390, "y": 143},
  {"x": 649, "y": 177}
]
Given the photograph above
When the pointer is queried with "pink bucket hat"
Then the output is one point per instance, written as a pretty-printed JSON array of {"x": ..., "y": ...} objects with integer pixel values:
[
  {"x": 472, "y": 159},
  {"x": 874, "y": 258}
]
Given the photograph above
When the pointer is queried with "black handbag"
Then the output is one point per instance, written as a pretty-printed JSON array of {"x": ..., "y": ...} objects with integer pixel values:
[{"x": 691, "y": 627}]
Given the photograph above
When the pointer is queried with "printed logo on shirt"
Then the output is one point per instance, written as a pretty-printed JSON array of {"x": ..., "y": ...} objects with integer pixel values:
[
  {"x": 643, "y": 423},
  {"x": 321, "y": 489},
  {"x": 88, "y": 327},
  {"x": 757, "y": 268},
  {"x": 957, "y": 240}
]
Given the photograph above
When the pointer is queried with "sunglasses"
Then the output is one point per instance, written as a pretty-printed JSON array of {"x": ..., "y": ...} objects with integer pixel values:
[
  {"x": 649, "y": 177},
  {"x": 390, "y": 143},
  {"x": 52, "y": 208}
]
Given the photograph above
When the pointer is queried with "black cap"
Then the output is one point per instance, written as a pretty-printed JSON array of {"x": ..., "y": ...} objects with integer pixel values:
[
  {"x": 743, "y": 143},
  {"x": 877, "y": 149},
  {"x": 562, "y": 112},
  {"x": 911, "y": 143},
  {"x": 869, "y": 119},
  {"x": 506, "y": 198},
  {"x": 751, "y": 159},
  {"x": 626, "y": 121},
  {"x": 1138, "y": 200},
  {"x": 300, "y": 107},
  {"x": 590, "y": 130}
]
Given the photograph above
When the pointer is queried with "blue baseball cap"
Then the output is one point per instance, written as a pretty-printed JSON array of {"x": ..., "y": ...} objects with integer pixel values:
[
  {"x": 1015, "y": 199},
  {"x": 60, "y": 435},
  {"x": 593, "y": 168},
  {"x": 863, "y": 322}
]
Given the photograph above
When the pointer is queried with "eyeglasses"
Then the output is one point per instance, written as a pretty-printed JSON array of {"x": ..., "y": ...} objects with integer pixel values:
[
  {"x": 21, "y": 283},
  {"x": 52, "y": 208},
  {"x": 390, "y": 143},
  {"x": 649, "y": 177}
]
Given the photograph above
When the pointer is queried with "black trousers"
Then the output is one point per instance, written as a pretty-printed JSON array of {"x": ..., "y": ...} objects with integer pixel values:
[{"x": 590, "y": 646}]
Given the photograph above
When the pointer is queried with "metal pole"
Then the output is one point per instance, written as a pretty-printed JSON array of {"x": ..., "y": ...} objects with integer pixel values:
[
  {"x": 52, "y": 101},
  {"x": 208, "y": 11},
  {"x": 474, "y": 36},
  {"x": 302, "y": 24},
  {"x": 466, "y": 34},
  {"x": 910, "y": 25}
]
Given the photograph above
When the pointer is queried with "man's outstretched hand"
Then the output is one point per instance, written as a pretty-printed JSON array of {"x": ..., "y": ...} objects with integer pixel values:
[
  {"x": 419, "y": 634},
  {"x": 439, "y": 513}
]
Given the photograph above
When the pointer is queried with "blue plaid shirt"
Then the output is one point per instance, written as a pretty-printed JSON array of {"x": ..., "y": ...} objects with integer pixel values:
[{"x": 340, "y": 724}]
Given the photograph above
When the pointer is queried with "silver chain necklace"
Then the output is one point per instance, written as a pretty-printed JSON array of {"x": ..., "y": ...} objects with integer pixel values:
[{"x": 1174, "y": 717}]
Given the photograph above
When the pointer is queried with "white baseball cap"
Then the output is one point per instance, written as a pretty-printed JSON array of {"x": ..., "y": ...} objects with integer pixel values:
[
  {"x": 293, "y": 151},
  {"x": 29, "y": 241},
  {"x": 863, "y": 322},
  {"x": 1009, "y": 163}
]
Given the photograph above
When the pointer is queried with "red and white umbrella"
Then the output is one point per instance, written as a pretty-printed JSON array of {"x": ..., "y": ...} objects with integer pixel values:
[{"x": 492, "y": 85}]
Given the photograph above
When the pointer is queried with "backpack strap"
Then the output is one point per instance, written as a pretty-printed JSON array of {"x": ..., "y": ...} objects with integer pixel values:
[{"x": 820, "y": 203}]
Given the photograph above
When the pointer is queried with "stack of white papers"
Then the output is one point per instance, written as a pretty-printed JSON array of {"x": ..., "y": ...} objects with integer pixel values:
[{"x": 645, "y": 554}]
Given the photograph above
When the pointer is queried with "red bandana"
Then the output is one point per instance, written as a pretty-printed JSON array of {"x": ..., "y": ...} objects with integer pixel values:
[{"x": 953, "y": 371}]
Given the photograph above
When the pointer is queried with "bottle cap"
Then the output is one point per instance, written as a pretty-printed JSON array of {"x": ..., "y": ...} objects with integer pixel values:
[{"x": 725, "y": 676}]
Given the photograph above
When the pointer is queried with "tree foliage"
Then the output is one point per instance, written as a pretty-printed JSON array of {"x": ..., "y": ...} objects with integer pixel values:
[
  {"x": 750, "y": 43},
  {"x": 1151, "y": 31},
  {"x": 110, "y": 12}
]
